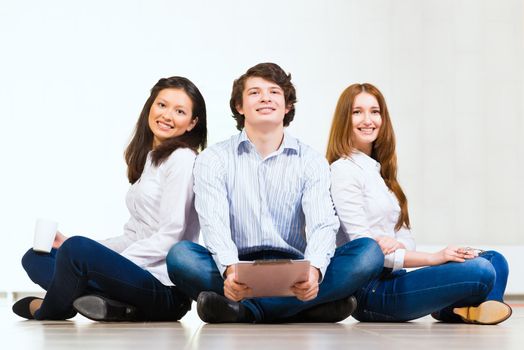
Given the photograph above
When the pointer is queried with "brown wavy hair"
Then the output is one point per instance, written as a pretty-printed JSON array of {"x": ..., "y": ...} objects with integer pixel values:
[
  {"x": 340, "y": 142},
  {"x": 142, "y": 139},
  {"x": 270, "y": 72}
]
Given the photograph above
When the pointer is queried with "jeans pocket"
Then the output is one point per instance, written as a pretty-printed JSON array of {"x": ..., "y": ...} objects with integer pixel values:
[{"x": 373, "y": 285}]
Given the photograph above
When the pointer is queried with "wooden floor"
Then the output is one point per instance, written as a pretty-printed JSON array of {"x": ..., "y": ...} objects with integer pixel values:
[{"x": 191, "y": 333}]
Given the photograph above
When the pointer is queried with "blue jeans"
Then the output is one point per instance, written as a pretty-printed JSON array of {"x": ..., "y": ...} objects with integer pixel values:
[
  {"x": 192, "y": 268},
  {"x": 82, "y": 266},
  {"x": 404, "y": 296}
]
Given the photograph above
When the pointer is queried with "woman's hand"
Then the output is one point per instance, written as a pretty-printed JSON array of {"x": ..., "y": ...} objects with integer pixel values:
[
  {"x": 452, "y": 253},
  {"x": 232, "y": 289},
  {"x": 388, "y": 244},
  {"x": 307, "y": 290},
  {"x": 59, "y": 239}
]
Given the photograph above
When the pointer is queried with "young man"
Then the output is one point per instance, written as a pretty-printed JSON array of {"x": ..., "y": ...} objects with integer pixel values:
[{"x": 255, "y": 194}]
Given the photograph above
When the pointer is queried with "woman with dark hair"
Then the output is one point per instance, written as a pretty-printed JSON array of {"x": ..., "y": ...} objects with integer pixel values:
[
  {"x": 456, "y": 284},
  {"x": 124, "y": 278}
]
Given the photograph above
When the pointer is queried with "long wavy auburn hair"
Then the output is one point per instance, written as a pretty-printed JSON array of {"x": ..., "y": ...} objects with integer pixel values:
[{"x": 340, "y": 142}]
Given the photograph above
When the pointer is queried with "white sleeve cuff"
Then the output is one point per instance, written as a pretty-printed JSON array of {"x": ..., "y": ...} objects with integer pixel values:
[
  {"x": 321, "y": 263},
  {"x": 395, "y": 260},
  {"x": 398, "y": 263},
  {"x": 223, "y": 261}
]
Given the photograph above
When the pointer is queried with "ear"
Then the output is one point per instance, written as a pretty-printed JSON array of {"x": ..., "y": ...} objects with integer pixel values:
[
  {"x": 192, "y": 125},
  {"x": 288, "y": 108},
  {"x": 240, "y": 110}
]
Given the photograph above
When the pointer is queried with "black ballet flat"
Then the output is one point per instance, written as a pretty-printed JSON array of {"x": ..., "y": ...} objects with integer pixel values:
[
  {"x": 21, "y": 307},
  {"x": 98, "y": 308}
]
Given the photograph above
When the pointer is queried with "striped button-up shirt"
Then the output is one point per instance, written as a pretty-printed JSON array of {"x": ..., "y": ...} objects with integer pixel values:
[{"x": 247, "y": 203}]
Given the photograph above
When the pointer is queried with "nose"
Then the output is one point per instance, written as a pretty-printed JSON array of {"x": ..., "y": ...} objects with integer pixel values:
[
  {"x": 168, "y": 114},
  {"x": 367, "y": 118},
  {"x": 265, "y": 96}
]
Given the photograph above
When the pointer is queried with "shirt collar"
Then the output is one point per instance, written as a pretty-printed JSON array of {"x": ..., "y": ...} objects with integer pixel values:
[
  {"x": 364, "y": 161},
  {"x": 288, "y": 143}
]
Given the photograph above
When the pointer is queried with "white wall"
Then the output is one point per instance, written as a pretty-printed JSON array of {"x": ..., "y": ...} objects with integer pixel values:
[{"x": 74, "y": 76}]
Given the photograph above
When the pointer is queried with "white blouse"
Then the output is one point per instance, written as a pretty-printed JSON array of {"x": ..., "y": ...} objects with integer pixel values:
[
  {"x": 365, "y": 205},
  {"x": 161, "y": 204}
]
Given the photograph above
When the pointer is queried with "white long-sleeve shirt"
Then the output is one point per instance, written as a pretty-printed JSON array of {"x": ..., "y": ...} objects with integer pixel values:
[
  {"x": 161, "y": 204},
  {"x": 365, "y": 205}
]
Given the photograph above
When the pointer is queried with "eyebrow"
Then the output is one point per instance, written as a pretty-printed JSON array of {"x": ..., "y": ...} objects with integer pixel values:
[
  {"x": 160, "y": 99},
  {"x": 372, "y": 107},
  {"x": 258, "y": 87}
]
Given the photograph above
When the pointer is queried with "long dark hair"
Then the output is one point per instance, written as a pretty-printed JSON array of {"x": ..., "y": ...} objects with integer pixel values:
[
  {"x": 142, "y": 140},
  {"x": 340, "y": 142}
]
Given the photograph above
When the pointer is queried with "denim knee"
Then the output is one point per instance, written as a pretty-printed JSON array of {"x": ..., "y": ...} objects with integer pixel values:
[
  {"x": 498, "y": 261},
  {"x": 180, "y": 259},
  {"x": 482, "y": 271},
  {"x": 373, "y": 258},
  {"x": 28, "y": 260},
  {"x": 75, "y": 248},
  {"x": 370, "y": 260}
]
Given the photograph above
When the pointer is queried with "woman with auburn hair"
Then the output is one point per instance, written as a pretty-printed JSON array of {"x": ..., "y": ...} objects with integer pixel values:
[
  {"x": 125, "y": 278},
  {"x": 456, "y": 284}
]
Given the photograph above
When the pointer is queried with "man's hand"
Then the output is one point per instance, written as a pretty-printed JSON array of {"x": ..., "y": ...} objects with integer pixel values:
[
  {"x": 388, "y": 244},
  {"x": 59, "y": 239},
  {"x": 307, "y": 290},
  {"x": 232, "y": 289}
]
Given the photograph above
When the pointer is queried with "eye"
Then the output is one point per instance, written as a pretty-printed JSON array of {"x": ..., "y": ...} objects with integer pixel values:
[
  {"x": 161, "y": 104},
  {"x": 275, "y": 91},
  {"x": 356, "y": 112},
  {"x": 253, "y": 92},
  {"x": 180, "y": 112},
  {"x": 376, "y": 112}
]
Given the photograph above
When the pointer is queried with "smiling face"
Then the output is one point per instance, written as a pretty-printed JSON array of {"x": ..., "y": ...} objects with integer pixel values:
[
  {"x": 366, "y": 120},
  {"x": 263, "y": 104},
  {"x": 171, "y": 115}
]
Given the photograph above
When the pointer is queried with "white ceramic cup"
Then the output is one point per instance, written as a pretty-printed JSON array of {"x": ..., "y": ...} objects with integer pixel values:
[{"x": 45, "y": 232}]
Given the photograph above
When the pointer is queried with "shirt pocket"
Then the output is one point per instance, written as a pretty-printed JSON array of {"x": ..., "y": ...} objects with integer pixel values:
[{"x": 285, "y": 195}]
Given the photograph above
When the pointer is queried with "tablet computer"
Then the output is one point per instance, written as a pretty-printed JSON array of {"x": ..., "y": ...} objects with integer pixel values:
[{"x": 272, "y": 278}]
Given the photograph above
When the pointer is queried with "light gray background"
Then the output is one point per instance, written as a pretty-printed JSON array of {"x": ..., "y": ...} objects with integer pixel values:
[{"x": 74, "y": 76}]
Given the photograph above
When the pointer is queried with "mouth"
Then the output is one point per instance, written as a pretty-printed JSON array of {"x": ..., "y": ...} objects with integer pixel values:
[
  {"x": 367, "y": 131},
  {"x": 163, "y": 126},
  {"x": 265, "y": 110}
]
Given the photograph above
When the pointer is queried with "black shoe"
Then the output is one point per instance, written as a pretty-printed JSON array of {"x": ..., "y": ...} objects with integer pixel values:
[
  {"x": 21, "y": 307},
  {"x": 214, "y": 308},
  {"x": 98, "y": 308},
  {"x": 333, "y": 311}
]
